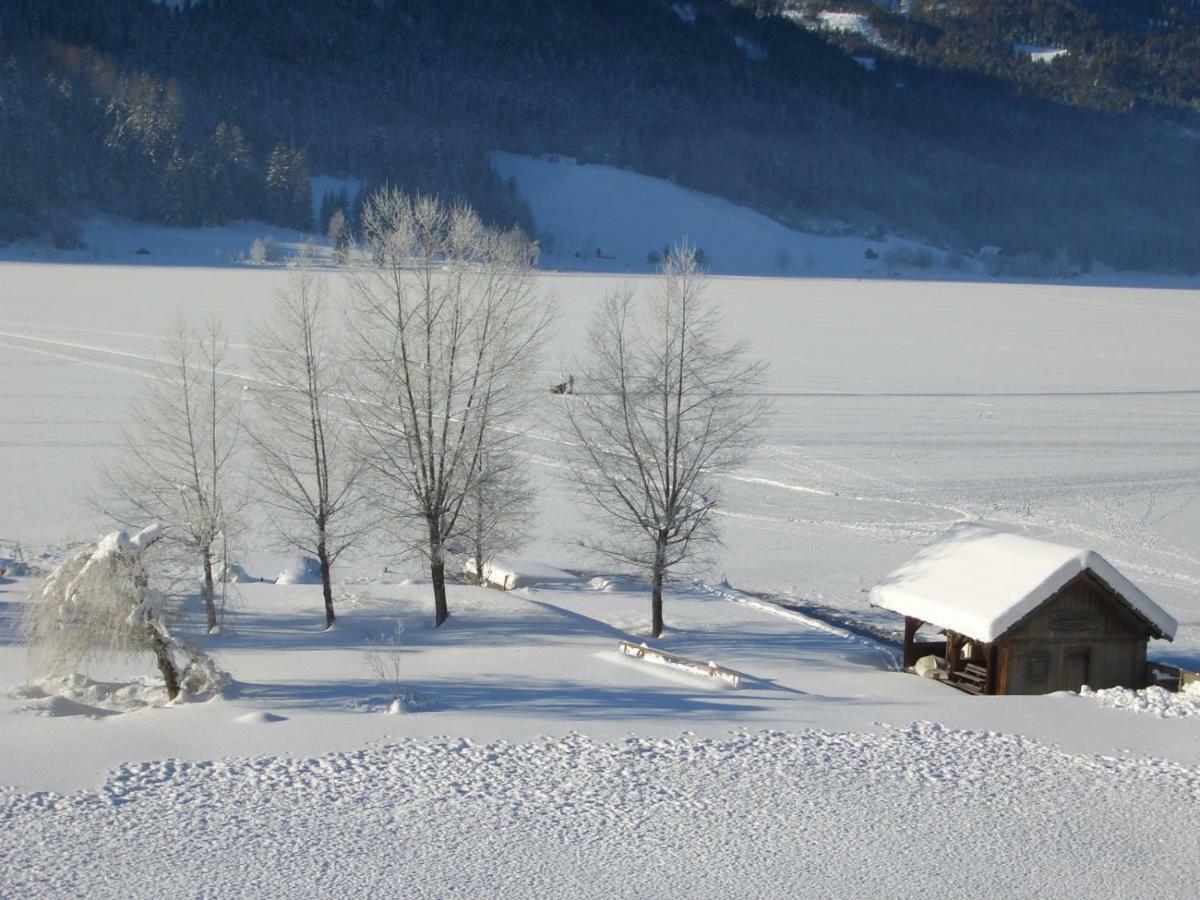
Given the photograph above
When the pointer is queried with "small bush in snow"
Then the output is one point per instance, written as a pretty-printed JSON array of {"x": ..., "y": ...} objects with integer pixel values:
[
  {"x": 100, "y": 602},
  {"x": 382, "y": 659},
  {"x": 263, "y": 250}
]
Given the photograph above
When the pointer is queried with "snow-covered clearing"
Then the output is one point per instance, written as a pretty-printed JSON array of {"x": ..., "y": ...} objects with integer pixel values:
[
  {"x": 600, "y": 218},
  {"x": 851, "y": 23},
  {"x": 552, "y": 765},
  {"x": 1039, "y": 52}
]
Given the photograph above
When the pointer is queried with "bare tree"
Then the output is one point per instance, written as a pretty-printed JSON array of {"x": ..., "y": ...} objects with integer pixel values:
[
  {"x": 667, "y": 405},
  {"x": 101, "y": 601},
  {"x": 309, "y": 464},
  {"x": 497, "y": 510},
  {"x": 446, "y": 323},
  {"x": 178, "y": 451}
]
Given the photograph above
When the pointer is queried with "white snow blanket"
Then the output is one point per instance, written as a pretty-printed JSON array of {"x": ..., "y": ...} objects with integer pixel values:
[{"x": 980, "y": 582}]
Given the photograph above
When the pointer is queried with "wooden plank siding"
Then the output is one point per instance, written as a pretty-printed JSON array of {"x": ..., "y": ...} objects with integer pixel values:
[{"x": 1083, "y": 634}]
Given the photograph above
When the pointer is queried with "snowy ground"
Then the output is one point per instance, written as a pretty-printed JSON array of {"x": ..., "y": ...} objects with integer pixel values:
[
  {"x": 1068, "y": 412},
  {"x": 572, "y": 771}
]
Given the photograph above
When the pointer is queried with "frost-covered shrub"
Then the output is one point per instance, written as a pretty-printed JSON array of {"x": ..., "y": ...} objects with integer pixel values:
[
  {"x": 100, "y": 602},
  {"x": 264, "y": 249}
]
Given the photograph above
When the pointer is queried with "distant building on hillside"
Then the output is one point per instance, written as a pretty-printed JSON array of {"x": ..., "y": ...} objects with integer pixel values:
[{"x": 1020, "y": 615}]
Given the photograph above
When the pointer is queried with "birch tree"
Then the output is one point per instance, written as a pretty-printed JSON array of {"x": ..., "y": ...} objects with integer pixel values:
[
  {"x": 177, "y": 453},
  {"x": 667, "y": 405},
  {"x": 310, "y": 469},
  {"x": 446, "y": 323}
]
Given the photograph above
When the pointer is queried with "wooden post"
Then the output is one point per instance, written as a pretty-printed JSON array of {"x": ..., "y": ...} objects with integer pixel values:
[
  {"x": 911, "y": 626},
  {"x": 992, "y": 654}
]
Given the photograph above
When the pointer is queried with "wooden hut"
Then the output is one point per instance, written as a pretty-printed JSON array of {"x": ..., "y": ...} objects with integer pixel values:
[{"x": 1016, "y": 615}]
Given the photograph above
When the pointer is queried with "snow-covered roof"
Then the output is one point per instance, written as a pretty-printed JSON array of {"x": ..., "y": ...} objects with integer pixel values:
[{"x": 980, "y": 582}]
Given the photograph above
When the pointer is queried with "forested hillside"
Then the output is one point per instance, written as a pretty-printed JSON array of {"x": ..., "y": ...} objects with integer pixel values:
[
  {"x": 220, "y": 109},
  {"x": 1116, "y": 55}
]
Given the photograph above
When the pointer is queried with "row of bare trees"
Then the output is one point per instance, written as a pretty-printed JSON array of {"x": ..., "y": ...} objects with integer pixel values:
[
  {"x": 404, "y": 417},
  {"x": 404, "y": 412}
]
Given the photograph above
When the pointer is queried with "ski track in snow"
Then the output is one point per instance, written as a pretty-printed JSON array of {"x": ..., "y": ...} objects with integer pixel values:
[
  {"x": 857, "y": 496},
  {"x": 768, "y": 813}
]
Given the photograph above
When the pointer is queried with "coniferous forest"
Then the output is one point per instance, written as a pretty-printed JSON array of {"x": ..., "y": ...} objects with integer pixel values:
[{"x": 205, "y": 112}]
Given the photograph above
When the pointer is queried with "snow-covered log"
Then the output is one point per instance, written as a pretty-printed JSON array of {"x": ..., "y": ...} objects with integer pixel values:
[{"x": 682, "y": 663}]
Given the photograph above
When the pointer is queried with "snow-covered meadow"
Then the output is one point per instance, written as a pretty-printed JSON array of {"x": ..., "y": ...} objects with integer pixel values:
[{"x": 547, "y": 763}]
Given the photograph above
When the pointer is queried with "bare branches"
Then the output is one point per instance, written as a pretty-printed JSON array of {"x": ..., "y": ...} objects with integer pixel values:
[
  {"x": 668, "y": 405},
  {"x": 178, "y": 451},
  {"x": 311, "y": 472},
  {"x": 497, "y": 511},
  {"x": 445, "y": 324}
]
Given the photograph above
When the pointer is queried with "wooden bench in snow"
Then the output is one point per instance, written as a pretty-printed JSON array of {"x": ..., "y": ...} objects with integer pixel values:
[{"x": 691, "y": 666}]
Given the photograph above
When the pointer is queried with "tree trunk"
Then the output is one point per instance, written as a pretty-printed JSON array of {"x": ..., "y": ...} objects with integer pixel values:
[
  {"x": 210, "y": 606},
  {"x": 166, "y": 663},
  {"x": 437, "y": 571},
  {"x": 656, "y": 585},
  {"x": 478, "y": 559},
  {"x": 326, "y": 584}
]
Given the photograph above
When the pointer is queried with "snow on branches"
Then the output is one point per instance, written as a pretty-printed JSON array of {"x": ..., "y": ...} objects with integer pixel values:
[{"x": 100, "y": 602}]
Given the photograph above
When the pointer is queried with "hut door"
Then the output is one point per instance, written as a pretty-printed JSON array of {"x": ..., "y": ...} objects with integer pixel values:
[{"x": 1076, "y": 667}]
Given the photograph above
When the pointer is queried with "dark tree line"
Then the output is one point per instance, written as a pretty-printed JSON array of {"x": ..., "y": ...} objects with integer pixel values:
[{"x": 221, "y": 109}]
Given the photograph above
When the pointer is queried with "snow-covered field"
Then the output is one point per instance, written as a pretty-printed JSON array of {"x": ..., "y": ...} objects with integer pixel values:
[{"x": 547, "y": 762}]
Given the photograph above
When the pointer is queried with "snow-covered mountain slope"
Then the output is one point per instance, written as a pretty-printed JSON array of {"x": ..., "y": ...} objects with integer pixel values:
[{"x": 600, "y": 218}]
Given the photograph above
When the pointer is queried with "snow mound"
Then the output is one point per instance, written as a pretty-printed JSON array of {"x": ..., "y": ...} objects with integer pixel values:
[
  {"x": 258, "y": 717},
  {"x": 307, "y": 570},
  {"x": 616, "y": 583},
  {"x": 61, "y": 707},
  {"x": 510, "y": 573},
  {"x": 411, "y": 702},
  {"x": 78, "y": 695},
  {"x": 1153, "y": 701},
  {"x": 235, "y": 574}
]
